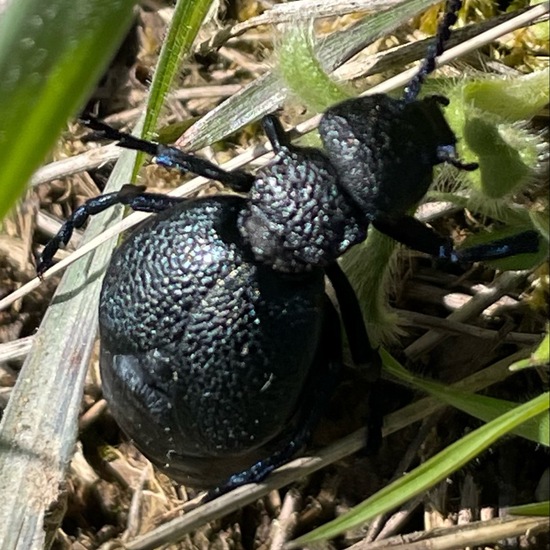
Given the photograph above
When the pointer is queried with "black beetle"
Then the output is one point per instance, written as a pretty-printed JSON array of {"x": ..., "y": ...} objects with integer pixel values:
[{"x": 219, "y": 347}]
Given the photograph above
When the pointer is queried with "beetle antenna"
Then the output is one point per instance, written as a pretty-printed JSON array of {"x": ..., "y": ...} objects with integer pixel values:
[{"x": 434, "y": 50}]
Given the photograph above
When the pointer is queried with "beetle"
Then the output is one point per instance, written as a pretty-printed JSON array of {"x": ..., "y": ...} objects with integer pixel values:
[{"x": 219, "y": 346}]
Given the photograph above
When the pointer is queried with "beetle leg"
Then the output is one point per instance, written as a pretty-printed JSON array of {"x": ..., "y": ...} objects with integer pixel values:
[
  {"x": 171, "y": 157},
  {"x": 361, "y": 351},
  {"x": 275, "y": 132},
  {"x": 352, "y": 319},
  {"x": 414, "y": 234},
  {"x": 129, "y": 195},
  {"x": 522, "y": 243},
  {"x": 434, "y": 51},
  {"x": 447, "y": 153}
]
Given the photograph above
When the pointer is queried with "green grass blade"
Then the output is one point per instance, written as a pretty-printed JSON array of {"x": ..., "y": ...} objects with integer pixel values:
[
  {"x": 431, "y": 472},
  {"x": 480, "y": 406},
  {"x": 532, "y": 509},
  {"x": 541, "y": 356},
  {"x": 51, "y": 56},
  {"x": 186, "y": 22}
]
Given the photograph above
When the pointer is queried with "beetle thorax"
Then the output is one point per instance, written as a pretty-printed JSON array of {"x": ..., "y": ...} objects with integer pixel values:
[{"x": 297, "y": 218}]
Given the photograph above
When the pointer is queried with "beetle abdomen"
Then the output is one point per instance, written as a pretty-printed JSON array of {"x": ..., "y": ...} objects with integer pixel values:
[{"x": 192, "y": 332}]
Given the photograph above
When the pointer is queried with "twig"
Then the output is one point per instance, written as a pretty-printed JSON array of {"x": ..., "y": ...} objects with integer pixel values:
[
  {"x": 450, "y": 326},
  {"x": 505, "y": 283},
  {"x": 461, "y": 536},
  {"x": 283, "y": 527}
]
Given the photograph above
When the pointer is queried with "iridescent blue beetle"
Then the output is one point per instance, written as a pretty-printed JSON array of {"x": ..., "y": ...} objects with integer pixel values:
[{"x": 219, "y": 347}]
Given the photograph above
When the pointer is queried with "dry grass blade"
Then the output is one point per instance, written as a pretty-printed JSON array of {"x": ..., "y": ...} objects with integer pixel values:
[
  {"x": 79, "y": 163},
  {"x": 38, "y": 429},
  {"x": 461, "y": 536},
  {"x": 15, "y": 350},
  {"x": 415, "y": 319},
  {"x": 267, "y": 93},
  {"x": 506, "y": 282},
  {"x": 304, "y": 10}
]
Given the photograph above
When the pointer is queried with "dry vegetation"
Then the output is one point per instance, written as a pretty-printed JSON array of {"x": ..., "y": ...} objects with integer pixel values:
[{"x": 114, "y": 494}]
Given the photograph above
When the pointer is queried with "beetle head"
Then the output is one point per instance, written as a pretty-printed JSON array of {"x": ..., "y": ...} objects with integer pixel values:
[{"x": 384, "y": 150}]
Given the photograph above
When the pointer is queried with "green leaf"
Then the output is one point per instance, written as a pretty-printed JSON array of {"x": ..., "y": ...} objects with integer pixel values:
[
  {"x": 52, "y": 53},
  {"x": 371, "y": 285},
  {"x": 480, "y": 406},
  {"x": 532, "y": 509},
  {"x": 431, "y": 472},
  {"x": 512, "y": 98},
  {"x": 541, "y": 356},
  {"x": 501, "y": 166},
  {"x": 302, "y": 72}
]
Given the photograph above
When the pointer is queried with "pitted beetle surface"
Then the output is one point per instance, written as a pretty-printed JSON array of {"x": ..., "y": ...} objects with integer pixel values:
[{"x": 219, "y": 347}]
